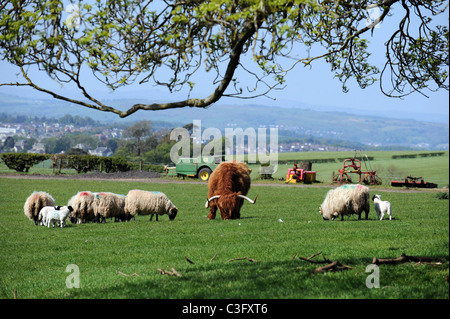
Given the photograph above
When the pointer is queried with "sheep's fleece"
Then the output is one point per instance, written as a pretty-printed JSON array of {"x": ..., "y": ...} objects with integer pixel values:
[
  {"x": 346, "y": 200},
  {"x": 146, "y": 203}
]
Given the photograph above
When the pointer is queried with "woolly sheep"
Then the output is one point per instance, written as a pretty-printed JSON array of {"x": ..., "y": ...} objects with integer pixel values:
[
  {"x": 43, "y": 214},
  {"x": 58, "y": 216},
  {"x": 83, "y": 208},
  {"x": 381, "y": 207},
  {"x": 346, "y": 200},
  {"x": 109, "y": 205},
  {"x": 145, "y": 203},
  {"x": 35, "y": 202}
]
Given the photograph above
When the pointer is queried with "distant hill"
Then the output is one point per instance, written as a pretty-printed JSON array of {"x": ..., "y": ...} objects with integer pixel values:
[{"x": 304, "y": 122}]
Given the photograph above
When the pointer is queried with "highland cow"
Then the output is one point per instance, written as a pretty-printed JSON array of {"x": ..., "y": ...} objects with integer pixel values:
[{"x": 228, "y": 186}]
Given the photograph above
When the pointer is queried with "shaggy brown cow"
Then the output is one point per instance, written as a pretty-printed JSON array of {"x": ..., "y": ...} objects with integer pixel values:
[{"x": 228, "y": 185}]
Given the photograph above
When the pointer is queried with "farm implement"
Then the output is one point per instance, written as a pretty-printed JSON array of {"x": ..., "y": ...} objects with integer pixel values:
[
  {"x": 303, "y": 174},
  {"x": 410, "y": 181},
  {"x": 353, "y": 166}
]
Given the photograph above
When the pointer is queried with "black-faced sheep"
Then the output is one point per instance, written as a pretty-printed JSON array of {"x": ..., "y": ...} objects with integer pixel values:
[
  {"x": 149, "y": 203},
  {"x": 346, "y": 200},
  {"x": 35, "y": 202}
]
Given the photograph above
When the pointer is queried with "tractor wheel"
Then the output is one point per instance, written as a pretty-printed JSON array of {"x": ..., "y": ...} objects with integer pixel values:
[{"x": 204, "y": 174}]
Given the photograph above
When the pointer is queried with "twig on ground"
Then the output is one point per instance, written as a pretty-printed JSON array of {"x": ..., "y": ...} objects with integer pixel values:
[
  {"x": 309, "y": 259},
  {"x": 126, "y": 275},
  {"x": 334, "y": 266},
  {"x": 169, "y": 273},
  {"x": 404, "y": 259},
  {"x": 243, "y": 258}
]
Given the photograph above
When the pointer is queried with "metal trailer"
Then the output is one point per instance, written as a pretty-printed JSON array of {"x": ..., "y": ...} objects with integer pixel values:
[{"x": 200, "y": 167}]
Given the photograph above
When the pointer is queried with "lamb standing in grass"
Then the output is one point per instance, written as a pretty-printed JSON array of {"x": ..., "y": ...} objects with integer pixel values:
[
  {"x": 346, "y": 200},
  {"x": 43, "y": 214},
  {"x": 58, "y": 216},
  {"x": 35, "y": 202},
  {"x": 381, "y": 207},
  {"x": 149, "y": 203}
]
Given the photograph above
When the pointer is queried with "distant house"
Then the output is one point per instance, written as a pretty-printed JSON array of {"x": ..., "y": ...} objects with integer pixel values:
[
  {"x": 101, "y": 151},
  {"x": 81, "y": 146},
  {"x": 38, "y": 148}
]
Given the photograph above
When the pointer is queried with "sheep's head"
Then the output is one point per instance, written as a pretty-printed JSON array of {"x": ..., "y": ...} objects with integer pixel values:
[
  {"x": 173, "y": 213},
  {"x": 230, "y": 204},
  {"x": 327, "y": 215},
  {"x": 376, "y": 196}
]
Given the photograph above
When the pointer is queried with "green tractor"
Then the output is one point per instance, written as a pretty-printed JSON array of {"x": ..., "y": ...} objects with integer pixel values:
[{"x": 200, "y": 167}]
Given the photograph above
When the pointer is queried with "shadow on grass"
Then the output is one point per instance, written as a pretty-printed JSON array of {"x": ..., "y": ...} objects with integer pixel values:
[{"x": 289, "y": 279}]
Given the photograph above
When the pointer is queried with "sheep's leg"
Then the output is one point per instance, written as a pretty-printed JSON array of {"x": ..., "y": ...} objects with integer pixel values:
[{"x": 382, "y": 215}]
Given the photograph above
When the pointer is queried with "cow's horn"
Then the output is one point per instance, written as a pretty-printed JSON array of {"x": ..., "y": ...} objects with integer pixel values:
[
  {"x": 251, "y": 201},
  {"x": 210, "y": 199}
]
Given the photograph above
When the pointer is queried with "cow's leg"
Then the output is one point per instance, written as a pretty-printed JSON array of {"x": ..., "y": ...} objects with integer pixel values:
[{"x": 212, "y": 211}]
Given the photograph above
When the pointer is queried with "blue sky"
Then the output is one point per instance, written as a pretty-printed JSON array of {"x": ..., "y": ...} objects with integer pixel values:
[{"x": 305, "y": 87}]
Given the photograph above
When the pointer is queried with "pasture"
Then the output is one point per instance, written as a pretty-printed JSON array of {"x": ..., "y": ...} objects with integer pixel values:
[{"x": 256, "y": 256}]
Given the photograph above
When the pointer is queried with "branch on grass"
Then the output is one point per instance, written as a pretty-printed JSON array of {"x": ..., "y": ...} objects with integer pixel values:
[
  {"x": 244, "y": 258},
  {"x": 126, "y": 275},
  {"x": 404, "y": 259},
  {"x": 334, "y": 266},
  {"x": 309, "y": 259},
  {"x": 188, "y": 260},
  {"x": 169, "y": 273}
]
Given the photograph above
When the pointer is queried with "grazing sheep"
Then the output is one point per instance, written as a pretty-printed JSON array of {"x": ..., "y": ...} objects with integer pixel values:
[
  {"x": 227, "y": 188},
  {"x": 58, "y": 216},
  {"x": 83, "y": 208},
  {"x": 145, "y": 203},
  {"x": 381, "y": 207},
  {"x": 43, "y": 214},
  {"x": 109, "y": 205},
  {"x": 346, "y": 200},
  {"x": 35, "y": 202}
]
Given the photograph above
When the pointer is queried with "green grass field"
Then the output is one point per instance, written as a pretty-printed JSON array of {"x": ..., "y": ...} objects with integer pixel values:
[{"x": 120, "y": 260}]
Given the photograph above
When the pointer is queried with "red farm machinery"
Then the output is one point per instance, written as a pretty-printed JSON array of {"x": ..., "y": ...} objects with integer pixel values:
[
  {"x": 301, "y": 173},
  {"x": 410, "y": 181},
  {"x": 353, "y": 166}
]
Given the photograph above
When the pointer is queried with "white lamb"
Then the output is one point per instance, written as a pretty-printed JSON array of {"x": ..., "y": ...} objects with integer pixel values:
[
  {"x": 58, "y": 216},
  {"x": 43, "y": 214},
  {"x": 381, "y": 207}
]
